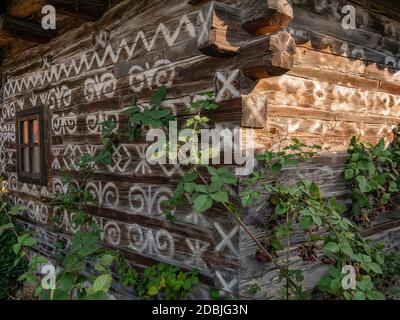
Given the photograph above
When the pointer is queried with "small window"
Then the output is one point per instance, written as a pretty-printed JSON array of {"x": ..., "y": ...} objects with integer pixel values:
[{"x": 32, "y": 164}]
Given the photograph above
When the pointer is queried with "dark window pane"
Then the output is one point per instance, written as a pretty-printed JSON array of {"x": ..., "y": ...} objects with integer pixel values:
[
  {"x": 36, "y": 160},
  {"x": 25, "y": 160},
  {"x": 36, "y": 132}
]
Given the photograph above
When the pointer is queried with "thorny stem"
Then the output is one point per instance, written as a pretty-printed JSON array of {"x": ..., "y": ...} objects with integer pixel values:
[{"x": 252, "y": 236}]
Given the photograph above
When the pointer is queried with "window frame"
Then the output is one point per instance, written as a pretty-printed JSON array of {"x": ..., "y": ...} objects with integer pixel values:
[{"x": 30, "y": 177}]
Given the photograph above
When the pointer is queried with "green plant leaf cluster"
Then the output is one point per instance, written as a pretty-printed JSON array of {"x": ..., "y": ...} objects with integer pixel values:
[
  {"x": 372, "y": 172},
  {"x": 167, "y": 281}
]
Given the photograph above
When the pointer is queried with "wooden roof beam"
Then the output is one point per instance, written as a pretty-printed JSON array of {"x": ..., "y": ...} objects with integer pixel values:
[
  {"x": 13, "y": 28},
  {"x": 83, "y": 9},
  {"x": 24, "y": 8}
]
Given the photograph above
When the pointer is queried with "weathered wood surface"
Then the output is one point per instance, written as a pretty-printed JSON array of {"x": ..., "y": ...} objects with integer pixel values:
[
  {"x": 25, "y": 30},
  {"x": 326, "y": 85}
]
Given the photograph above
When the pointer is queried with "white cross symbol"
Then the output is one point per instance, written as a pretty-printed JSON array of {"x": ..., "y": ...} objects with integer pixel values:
[
  {"x": 197, "y": 251},
  {"x": 226, "y": 242},
  {"x": 206, "y": 24},
  {"x": 226, "y": 286},
  {"x": 227, "y": 86}
]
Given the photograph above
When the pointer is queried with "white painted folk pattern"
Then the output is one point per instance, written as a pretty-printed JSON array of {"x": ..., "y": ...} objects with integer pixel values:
[
  {"x": 99, "y": 86},
  {"x": 149, "y": 241},
  {"x": 226, "y": 241},
  {"x": 94, "y": 120},
  {"x": 225, "y": 84},
  {"x": 161, "y": 73},
  {"x": 148, "y": 200},
  {"x": 90, "y": 60},
  {"x": 62, "y": 124},
  {"x": 198, "y": 248},
  {"x": 105, "y": 194}
]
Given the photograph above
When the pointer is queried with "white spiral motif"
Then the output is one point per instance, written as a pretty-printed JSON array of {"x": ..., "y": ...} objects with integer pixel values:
[
  {"x": 164, "y": 76},
  {"x": 112, "y": 233},
  {"x": 148, "y": 202},
  {"x": 165, "y": 242},
  {"x": 111, "y": 195},
  {"x": 145, "y": 240},
  {"x": 137, "y": 241},
  {"x": 151, "y": 76},
  {"x": 96, "y": 87}
]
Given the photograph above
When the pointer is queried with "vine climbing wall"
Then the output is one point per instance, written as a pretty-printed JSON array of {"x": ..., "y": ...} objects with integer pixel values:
[{"x": 294, "y": 72}]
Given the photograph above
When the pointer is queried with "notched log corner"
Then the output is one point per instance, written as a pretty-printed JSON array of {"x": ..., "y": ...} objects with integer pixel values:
[
  {"x": 262, "y": 17},
  {"x": 278, "y": 54},
  {"x": 234, "y": 88},
  {"x": 219, "y": 29},
  {"x": 254, "y": 111}
]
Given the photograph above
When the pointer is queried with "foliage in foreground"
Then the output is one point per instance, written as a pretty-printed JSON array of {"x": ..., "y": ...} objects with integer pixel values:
[{"x": 331, "y": 235}]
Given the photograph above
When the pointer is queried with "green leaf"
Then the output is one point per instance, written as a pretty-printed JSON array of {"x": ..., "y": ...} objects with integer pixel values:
[
  {"x": 190, "y": 176},
  {"x": 15, "y": 210},
  {"x": 306, "y": 222},
  {"x": 201, "y": 188},
  {"x": 346, "y": 248},
  {"x": 363, "y": 184},
  {"x": 331, "y": 247},
  {"x": 277, "y": 244},
  {"x": 29, "y": 242},
  {"x": 16, "y": 248},
  {"x": 365, "y": 285},
  {"x": 189, "y": 187},
  {"x": 214, "y": 294},
  {"x": 66, "y": 283},
  {"x": 220, "y": 196},
  {"x": 159, "y": 96},
  {"x": 60, "y": 295},
  {"x": 226, "y": 175},
  {"x": 335, "y": 272},
  {"x": 359, "y": 295},
  {"x": 375, "y": 295},
  {"x": 212, "y": 171},
  {"x": 153, "y": 291},
  {"x": 276, "y": 167},
  {"x": 349, "y": 174},
  {"x": 70, "y": 262},
  {"x": 324, "y": 283},
  {"x": 314, "y": 190},
  {"x": 102, "y": 283},
  {"x": 106, "y": 259},
  {"x": 335, "y": 284},
  {"x": 215, "y": 185},
  {"x": 5, "y": 227},
  {"x": 376, "y": 268},
  {"x": 281, "y": 209},
  {"x": 380, "y": 180},
  {"x": 202, "y": 203}
]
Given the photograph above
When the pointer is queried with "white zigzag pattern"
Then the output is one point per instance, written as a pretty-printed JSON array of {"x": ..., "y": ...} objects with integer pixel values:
[{"x": 87, "y": 61}]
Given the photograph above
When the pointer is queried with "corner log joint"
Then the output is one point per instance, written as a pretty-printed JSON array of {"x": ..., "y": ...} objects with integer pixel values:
[
  {"x": 277, "y": 56},
  {"x": 219, "y": 29},
  {"x": 266, "y": 16}
]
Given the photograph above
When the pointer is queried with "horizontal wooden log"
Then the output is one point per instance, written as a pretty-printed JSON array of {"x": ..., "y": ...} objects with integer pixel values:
[
  {"x": 84, "y": 9},
  {"x": 24, "y": 30},
  {"x": 24, "y": 8},
  {"x": 266, "y": 16},
  {"x": 279, "y": 48}
]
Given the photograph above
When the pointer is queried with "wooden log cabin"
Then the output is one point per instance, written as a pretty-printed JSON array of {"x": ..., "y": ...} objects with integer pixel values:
[{"x": 283, "y": 69}]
